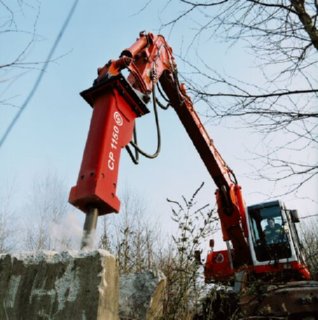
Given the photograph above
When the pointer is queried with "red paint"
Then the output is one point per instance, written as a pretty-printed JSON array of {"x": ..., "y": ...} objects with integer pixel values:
[
  {"x": 218, "y": 267},
  {"x": 110, "y": 130}
]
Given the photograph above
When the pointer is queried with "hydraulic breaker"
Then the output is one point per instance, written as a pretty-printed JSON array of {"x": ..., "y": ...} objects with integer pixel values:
[{"x": 115, "y": 107}]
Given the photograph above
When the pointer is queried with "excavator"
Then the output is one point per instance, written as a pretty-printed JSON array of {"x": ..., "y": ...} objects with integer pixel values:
[{"x": 119, "y": 95}]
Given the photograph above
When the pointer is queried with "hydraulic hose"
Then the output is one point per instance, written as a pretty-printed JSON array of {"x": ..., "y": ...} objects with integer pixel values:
[{"x": 136, "y": 147}]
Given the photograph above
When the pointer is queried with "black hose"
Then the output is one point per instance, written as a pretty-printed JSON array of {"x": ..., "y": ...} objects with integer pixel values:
[
  {"x": 162, "y": 106},
  {"x": 131, "y": 155},
  {"x": 162, "y": 94},
  {"x": 137, "y": 148},
  {"x": 134, "y": 157}
]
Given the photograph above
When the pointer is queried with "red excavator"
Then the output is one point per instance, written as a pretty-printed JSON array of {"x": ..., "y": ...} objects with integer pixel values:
[{"x": 256, "y": 253}]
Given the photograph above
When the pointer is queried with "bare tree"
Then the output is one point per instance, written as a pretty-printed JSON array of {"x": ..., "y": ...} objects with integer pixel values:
[
  {"x": 105, "y": 241},
  {"x": 310, "y": 241},
  {"x": 185, "y": 282},
  {"x": 132, "y": 238},
  {"x": 18, "y": 34},
  {"x": 282, "y": 36},
  {"x": 8, "y": 225},
  {"x": 46, "y": 208}
]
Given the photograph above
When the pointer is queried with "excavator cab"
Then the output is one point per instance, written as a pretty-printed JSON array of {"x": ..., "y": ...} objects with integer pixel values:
[
  {"x": 274, "y": 245},
  {"x": 269, "y": 233},
  {"x": 274, "y": 240}
]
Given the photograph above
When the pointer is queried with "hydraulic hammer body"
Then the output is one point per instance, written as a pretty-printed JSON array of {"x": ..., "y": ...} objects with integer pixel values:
[{"x": 115, "y": 107}]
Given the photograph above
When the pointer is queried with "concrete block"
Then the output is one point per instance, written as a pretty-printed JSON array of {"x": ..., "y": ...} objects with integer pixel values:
[
  {"x": 141, "y": 295},
  {"x": 50, "y": 285}
]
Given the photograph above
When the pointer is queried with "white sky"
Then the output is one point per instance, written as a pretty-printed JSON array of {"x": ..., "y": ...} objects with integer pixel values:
[{"x": 51, "y": 134}]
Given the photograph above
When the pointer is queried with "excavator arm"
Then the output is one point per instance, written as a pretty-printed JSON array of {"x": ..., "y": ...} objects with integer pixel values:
[{"x": 117, "y": 102}]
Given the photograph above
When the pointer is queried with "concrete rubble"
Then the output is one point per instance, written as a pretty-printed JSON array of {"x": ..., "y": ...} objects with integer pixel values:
[{"x": 141, "y": 295}]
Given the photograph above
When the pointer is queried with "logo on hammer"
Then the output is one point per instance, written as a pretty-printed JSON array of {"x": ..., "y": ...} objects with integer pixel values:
[{"x": 118, "y": 119}]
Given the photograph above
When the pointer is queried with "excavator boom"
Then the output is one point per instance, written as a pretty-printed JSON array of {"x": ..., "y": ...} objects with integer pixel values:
[{"x": 116, "y": 103}]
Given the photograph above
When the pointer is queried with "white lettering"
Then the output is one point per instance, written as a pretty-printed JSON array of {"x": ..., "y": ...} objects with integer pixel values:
[
  {"x": 111, "y": 161},
  {"x": 114, "y": 141}
]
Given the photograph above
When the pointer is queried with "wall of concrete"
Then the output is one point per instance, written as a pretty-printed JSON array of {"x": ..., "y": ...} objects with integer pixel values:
[{"x": 50, "y": 285}]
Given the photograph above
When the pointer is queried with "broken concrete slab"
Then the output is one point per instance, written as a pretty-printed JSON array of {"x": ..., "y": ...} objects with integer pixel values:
[
  {"x": 51, "y": 285},
  {"x": 141, "y": 295}
]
